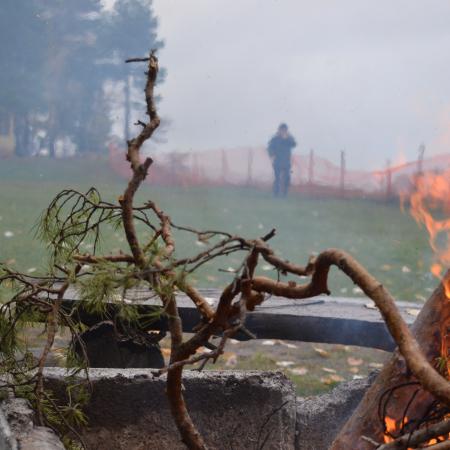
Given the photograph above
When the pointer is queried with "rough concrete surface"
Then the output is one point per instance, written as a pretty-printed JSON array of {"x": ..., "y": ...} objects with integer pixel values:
[
  {"x": 7, "y": 441},
  {"x": 320, "y": 418},
  {"x": 233, "y": 410},
  {"x": 19, "y": 432}
]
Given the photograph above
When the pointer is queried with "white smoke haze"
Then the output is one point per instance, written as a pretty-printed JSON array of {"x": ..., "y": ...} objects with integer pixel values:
[{"x": 367, "y": 77}]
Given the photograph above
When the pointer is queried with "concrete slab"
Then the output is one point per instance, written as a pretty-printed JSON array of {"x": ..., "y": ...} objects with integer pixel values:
[
  {"x": 233, "y": 410},
  {"x": 320, "y": 418},
  {"x": 319, "y": 319}
]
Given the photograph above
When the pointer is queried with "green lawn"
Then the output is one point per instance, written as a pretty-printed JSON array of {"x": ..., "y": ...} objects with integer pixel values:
[{"x": 386, "y": 241}]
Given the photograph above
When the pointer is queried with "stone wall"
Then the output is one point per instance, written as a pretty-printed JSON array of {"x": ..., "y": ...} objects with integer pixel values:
[{"x": 233, "y": 410}]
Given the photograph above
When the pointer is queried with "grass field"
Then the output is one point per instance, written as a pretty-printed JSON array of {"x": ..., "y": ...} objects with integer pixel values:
[{"x": 387, "y": 241}]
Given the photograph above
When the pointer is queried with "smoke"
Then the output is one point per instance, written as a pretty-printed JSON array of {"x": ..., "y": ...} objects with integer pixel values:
[{"x": 343, "y": 75}]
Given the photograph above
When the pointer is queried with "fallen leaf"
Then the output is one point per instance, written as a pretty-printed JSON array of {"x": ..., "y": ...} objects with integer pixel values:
[
  {"x": 288, "y": 345},
  {"x": 376, "y": 365},
  {"x": 323, "y": 353},
  {"x": 358, "y": 377},
  {"x": 332, "y": 379},
  {"x": 327, "y": 369},
  {"x": 336, "y": 378},
  {"x": 413, "y": 312},
  {"x": 285, "y": 363},
  {"x": 370, "y": 305},
  {"x": 354, "y": 361},
  {"x": 353, "y": 370},
  {"x": 231, "y": 361},
  {"x": 298, "y": 370}
]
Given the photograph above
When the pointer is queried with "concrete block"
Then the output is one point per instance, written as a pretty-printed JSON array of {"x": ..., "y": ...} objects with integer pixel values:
[
  {"x": 320, "y": 418},
  {"x": 233, "y": 410}
]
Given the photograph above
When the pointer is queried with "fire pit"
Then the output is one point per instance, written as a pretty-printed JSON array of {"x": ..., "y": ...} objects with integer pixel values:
[{"x": 128, "y": 410}]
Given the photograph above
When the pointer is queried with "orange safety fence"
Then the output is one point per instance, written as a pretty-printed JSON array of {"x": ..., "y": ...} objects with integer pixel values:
[{"x": 252, "y": 167}]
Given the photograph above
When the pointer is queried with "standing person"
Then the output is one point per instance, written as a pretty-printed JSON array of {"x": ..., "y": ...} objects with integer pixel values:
[{"x": 280, "y": 152}]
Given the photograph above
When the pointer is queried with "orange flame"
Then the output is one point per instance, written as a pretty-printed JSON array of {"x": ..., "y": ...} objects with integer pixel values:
[
  {"x": 430, "y": 206},
  {"x": 392, "y": 426}
]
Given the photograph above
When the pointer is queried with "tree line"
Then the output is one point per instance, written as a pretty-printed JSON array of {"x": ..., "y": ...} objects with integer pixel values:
[{"x": 58, "y": 58}]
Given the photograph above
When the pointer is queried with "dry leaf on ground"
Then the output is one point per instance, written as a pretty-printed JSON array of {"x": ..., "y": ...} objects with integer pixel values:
[
  {"x": 285, "y": 363},
  {"x": 321, "y": 352},
  {"x": 298, "y": 371},
  {"x": 354, "y": 361}
]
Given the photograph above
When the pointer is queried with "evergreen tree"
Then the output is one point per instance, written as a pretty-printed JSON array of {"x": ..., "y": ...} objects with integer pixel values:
[
  {"x": 59, "y": 55},
  {"x": 22, "y": 31},
  {"x": 120, "y": 43}
]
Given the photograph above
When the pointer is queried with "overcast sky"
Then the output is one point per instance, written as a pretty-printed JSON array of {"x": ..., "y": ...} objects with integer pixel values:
[{"x": 370, "y": 77}]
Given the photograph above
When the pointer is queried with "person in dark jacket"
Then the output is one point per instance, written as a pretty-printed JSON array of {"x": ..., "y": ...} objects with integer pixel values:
[{"x": 280, "y": 152}]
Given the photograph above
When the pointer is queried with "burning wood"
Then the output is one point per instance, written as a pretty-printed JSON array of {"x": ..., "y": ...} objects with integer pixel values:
[
  {"x": 430, "y": 206},
  {"x": 403, "y": 406},
  {"x": 409, "y": 416}
]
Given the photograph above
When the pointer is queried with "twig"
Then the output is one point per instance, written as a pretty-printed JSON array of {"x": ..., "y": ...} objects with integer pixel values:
[
  {"x": 430, "y": 379},
  {"x": 418, "y": 437},
  {"x": 370, "y": 441}
]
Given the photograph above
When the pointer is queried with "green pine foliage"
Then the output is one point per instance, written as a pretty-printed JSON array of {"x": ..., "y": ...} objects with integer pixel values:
[{"x": 70, "y": 220}]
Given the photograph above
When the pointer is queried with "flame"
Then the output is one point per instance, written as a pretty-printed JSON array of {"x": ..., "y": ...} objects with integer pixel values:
[
  {"x": 391, "y": 427},
  {"x": 430, "y": 206}
]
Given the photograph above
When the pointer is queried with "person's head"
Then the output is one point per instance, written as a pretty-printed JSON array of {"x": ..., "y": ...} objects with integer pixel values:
[{"x": 283, "y": 130}]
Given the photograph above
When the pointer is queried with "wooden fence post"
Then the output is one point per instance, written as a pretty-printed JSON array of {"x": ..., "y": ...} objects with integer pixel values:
[
  {"x": 388, "y": 180},
  {"x": 224, "y": 167},
  {"x": 342, "y": 175},
  {"x": 311, "y": 167},
  {"x": 420, "y": 159},
  {"x": 249, "y": 167},
  {"x": 196, "y": 170}
]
